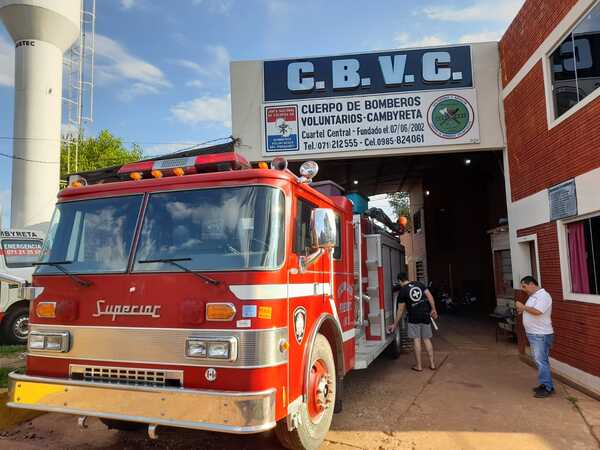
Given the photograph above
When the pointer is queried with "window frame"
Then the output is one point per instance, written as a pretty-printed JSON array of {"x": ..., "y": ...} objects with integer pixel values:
[
  {"x": 565, "y": 262},
  {"x": 132, "y": 246},
  {"x": 339, "y": 221},
  {"x": 551, "y": 116},
  {"x": 521, "y": 242},
  {"x": 299, "y": 200}
]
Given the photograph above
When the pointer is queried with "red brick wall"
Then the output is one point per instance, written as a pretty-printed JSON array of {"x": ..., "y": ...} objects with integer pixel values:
[
  {"x": 540, "y": 158},
  {"x": 533, "y": 24},
  {"x": 577, "y": 334}
]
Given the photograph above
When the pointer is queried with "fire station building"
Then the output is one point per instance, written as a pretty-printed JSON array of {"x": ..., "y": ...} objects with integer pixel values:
[
  {"x": 550, "y": 57},
  {"x": 496, "y": 143}
]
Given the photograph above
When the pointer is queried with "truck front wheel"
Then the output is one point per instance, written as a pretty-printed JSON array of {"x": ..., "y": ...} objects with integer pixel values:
[
  {"x": 317, "y": 412},
  {"x": 15, "y": 326}
]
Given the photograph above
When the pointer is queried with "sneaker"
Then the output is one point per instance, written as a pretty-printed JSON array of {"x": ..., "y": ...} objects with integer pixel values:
[
  {"x": 537, "y": 388},
  {"x": 543, "y": 393}
]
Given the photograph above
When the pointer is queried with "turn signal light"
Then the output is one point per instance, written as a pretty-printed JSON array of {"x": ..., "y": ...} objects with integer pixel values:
[
  {"x": 135, "y": 176},
  {"x": 220, "y": 311},
  {"x": 46, "y": 310},
  {"x": 156, "y": 174},
  {"x": 263, "y": 165},
  {"x": 76, "y": 184},
  {"x": 178, "y": 172}
]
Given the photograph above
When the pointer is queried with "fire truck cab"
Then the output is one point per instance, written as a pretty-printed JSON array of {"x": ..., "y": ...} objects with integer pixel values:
[{"x": 199, "y": 292}]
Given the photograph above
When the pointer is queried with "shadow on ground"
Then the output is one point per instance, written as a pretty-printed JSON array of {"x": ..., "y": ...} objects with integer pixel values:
[{"x": 480, "y": 397}]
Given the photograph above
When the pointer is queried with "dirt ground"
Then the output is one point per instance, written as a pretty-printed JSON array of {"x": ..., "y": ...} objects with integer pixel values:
[{"x": 479, "y": 398}]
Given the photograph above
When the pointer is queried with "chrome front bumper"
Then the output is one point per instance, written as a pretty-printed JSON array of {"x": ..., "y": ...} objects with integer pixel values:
[{"x": 228, "y": 412}]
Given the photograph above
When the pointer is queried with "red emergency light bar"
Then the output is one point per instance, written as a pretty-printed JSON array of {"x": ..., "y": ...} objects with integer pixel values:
[{"x": 218, "y": 162}]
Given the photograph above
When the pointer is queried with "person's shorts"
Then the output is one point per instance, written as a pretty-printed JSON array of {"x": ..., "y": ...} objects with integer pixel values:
[{"x": 419, "y": 330}]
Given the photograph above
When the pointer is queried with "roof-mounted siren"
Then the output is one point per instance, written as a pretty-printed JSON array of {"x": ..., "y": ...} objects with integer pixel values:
[
  {"x": 279, "y": 163},
  {"x": 308, "y": 170},
  {"x": 218, "y": 162},
  {"x": 42, "y": 30}
]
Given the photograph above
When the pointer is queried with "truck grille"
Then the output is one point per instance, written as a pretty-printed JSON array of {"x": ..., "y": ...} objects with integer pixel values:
[{"x": 127, "y": 375}]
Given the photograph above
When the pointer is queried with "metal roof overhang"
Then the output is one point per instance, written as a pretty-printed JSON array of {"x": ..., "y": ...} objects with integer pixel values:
[{"x": 387, "y": 174}]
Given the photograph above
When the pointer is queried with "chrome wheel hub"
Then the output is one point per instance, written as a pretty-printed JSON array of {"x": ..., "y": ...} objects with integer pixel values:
[{"x": 21, "y": 328}]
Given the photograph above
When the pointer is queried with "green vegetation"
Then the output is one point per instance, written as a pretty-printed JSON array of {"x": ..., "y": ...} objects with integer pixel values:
[
  {"x": 11, "y": 350},
  {"x": 4, "y": 376},
  {"x": 400, "y": 203},
  {"x": 95, "y": 153}
]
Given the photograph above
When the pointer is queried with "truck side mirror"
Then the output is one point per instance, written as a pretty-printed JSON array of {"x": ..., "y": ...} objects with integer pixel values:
[
  {"x": 323, "y": 235},
  {"x": 322, "y": 228}
]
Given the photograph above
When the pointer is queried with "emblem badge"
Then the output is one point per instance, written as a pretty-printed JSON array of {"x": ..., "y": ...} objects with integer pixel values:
[
  {"x": 102, "y": 309},
  {"x": 450, "y": 116},
  {"x": 415, "y": 294},
  {"x": 210, "y": 374},
  {"x": 299, "y": 323}
]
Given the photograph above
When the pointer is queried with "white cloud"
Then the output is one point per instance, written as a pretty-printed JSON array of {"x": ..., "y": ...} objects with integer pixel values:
[
  {"x": 404, "y": 40},
  {"x": 114, "y": 63},
  {"x": 215, "y": 6},
  {"x": 484, "y": 36},
  {"x": 127, "y": 4},
  {"x": 195, "y": 83},
  {"x": 137, "y": 90},
  {"x": 7, "y": 63},
  {"x": 164, "y": 149},
  {"x": 217, "y": 62},
  {"x": 204, "y": 110},
  {"x": 481, "y": 10}
]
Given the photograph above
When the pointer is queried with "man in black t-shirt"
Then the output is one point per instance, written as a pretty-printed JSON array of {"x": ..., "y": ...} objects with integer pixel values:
[{"x": 420, "y": 307}]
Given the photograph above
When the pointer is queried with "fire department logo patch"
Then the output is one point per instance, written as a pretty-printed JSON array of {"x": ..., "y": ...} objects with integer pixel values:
[
  {"x": 281, "y": 127},
  {"x": 299, "y": 323},
  {"x": 450, "y": 116}
]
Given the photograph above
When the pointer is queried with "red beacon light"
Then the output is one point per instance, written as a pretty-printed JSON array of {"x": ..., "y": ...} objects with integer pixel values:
[{"x": 217, "y": 162}]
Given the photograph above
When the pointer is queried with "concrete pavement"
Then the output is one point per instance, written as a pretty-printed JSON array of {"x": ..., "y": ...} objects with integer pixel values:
[{"x": 479, "y": 398}]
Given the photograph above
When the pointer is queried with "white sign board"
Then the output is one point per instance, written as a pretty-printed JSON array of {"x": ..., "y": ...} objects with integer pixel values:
[{"x": 363, "y": 123}]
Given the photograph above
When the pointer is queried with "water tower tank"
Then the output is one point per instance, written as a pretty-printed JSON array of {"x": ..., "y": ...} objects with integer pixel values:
[{"x": 42, "y": 31}]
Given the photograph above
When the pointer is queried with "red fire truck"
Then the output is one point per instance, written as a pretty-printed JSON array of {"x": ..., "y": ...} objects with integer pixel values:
[{"x": 202, "y": 293}]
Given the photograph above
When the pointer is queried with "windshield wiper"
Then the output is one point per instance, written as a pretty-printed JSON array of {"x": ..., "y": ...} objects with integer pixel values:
[
  {"x": 58, "y": 265},
  {"x": 175, "y": 261}
]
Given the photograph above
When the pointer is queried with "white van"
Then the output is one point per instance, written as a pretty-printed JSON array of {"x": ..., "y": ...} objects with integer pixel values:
[{"x": 18, "y": 250}]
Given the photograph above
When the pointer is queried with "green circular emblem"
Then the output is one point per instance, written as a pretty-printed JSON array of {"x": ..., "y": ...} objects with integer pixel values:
[{"x": 450, "y": 116}]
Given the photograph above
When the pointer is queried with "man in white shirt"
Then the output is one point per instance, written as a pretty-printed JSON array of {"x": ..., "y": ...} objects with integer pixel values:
[{"x": 537, "y": 320}]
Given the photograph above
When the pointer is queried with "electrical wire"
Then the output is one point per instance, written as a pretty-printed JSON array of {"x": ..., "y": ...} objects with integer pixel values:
[{"x": 190, "y": 146}]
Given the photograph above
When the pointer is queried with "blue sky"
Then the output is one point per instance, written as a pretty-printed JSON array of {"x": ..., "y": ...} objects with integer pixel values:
[{"x": 162, "y": 66}]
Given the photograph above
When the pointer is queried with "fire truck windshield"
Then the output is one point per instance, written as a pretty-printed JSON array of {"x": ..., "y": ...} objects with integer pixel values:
[
  {"x": 220, "y": 229},
  {"x": 93, "y": 236}
]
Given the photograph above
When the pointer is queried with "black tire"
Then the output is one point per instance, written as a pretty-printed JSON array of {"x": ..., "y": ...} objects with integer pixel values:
[
  {"x": 123, "y": 425},
  {"x": 310, "y": 433},
  {"x": 15, "y": 326}
]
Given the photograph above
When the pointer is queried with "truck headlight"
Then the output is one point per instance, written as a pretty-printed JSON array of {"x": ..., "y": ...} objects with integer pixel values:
[
  {"x": 195, "y": 348},
  {"x": 212, "y": 348},
  {"x": 49, "y": 341},
  {"x": 219, "y": 350}
]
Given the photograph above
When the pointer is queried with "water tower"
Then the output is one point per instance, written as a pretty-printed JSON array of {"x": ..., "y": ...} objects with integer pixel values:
[{"x": 42, "y": 30}]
